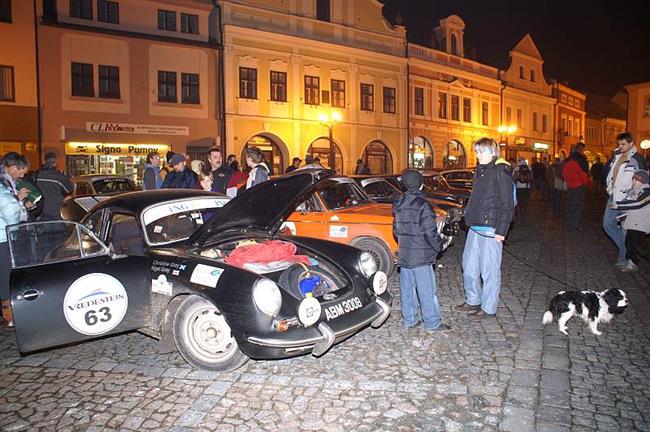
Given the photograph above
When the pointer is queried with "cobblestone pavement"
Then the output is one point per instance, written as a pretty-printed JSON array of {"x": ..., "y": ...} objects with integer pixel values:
[{"x": 508, "y": 373}]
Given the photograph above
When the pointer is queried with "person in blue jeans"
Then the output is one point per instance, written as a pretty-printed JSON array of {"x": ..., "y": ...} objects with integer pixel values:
[
  {"x": 414, "y": 227},
  {"x": 488, "y": 214}
]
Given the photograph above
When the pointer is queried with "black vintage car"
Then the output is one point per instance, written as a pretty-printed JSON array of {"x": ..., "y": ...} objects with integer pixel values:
[{"x": 163, "y": 263}]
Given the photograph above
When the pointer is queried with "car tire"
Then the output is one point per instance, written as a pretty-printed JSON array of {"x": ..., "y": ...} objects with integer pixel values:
[
  {"x": 379, "y": 251},
  {"x": 203, "y": 337}
]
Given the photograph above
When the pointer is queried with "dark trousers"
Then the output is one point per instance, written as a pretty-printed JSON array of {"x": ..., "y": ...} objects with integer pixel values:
[
  {"x": 556, "y": 200},
  {"x": 633, "y": 245},
  {"x": 523, "y": 197},
  {"x": 5, "y": 270},
  {"x": 575, "y": 202}
]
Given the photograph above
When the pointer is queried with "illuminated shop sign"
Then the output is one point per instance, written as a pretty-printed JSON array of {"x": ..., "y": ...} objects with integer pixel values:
[
  {"x": 540, "y": 146},
  {"x": 88, "y": 148},
  {"x": 129, "y": 128}
]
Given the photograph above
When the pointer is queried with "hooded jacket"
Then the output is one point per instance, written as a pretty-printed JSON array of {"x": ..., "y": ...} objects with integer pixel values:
[
  {"x": 626, "y": 170},
  {"x": 491, "y": 203},
  {"x": 12, "y": 211},
  {"x": 636, "y": 206},
  {"x": 54, "y": 186}
]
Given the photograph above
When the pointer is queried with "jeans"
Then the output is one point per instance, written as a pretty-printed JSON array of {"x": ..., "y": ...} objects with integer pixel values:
[
  {"x": 615, "y": 232},
  {"x": 482, "y": 260},
  {"x": 419, "y": 283},
  {"x": 575, "y": 203}
]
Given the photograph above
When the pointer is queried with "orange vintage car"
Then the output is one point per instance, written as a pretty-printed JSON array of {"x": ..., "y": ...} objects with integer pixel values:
[{"x": 341, "y": 211}]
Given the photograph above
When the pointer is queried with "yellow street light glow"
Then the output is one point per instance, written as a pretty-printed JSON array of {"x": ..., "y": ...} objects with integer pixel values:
[
  {"x": 512, "y": 129},
  {"x": 323, "y": 117},
  {"x": 645, "y": 144},
  {"x": 336, "y": 116},
  {"x": 502, "y": 129}
]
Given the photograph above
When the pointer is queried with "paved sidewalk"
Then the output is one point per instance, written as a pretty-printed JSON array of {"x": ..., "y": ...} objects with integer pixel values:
[{"x": 508, "y": 373}]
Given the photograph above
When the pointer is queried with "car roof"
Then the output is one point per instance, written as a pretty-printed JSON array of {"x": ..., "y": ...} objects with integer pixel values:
[
  {"x": 140, "y": 200},
  {"x": 91, "y": 177}
]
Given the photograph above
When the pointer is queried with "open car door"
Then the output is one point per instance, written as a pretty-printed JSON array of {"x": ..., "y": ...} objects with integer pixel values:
[{"x": 66, "y": 286}]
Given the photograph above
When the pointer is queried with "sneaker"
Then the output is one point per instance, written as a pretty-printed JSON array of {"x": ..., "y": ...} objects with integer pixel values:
[
  {"x": 412, "y": 326},
  {"x": 630, "y": 267},
  {"x": 442, "y": 328},
  {"x": 467, "y": 307},
  {"x": 620, "y": 265},
  {"x": 481, "y": 314}
]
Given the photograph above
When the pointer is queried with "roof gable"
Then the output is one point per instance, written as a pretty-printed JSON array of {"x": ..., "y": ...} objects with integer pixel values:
[{"x": 527, "y": 47}]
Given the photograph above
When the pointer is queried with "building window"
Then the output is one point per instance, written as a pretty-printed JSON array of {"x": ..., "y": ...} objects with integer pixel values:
[
  {"x": 570, "y": 125},
  {"x": 247, "y": 83},
  {"x": 312, "y": 90},
  {"x": 338, "y": 93},
  {"x": 485, "y": 109},
  {"x": 508, "y": 114},
  {"x": 109, "y": 82},
  {"x": 646, "y": 111},
  {"x": 167, "y": 86},
  {"x": 389, "y": 100},
  {"x": 367, "y": 97},
  {"x": 323, "y": 10},
  {"x": 108, "y": 11},
  {"x": 419, "y": 101},
  {"x": 467, "y": 110},
  {"x": 532, "y": 75},
  {"x": 82, "y": 79},
  {"x": 278, "y": 86},
  {"x": 520, "y": 117},
  {"x": 563, "y": 123},
  {"x": 521, "y": 72},
  {"x": 544, "y": 123},
  {"x": 166, "y": 20},
  {"x": 189, "y": 23},
  {"x": 5, "y": 11},
  {"x": 535, "y": 121},
  {"x": 7, "y": 87},
  {"x": 563, "y": 98},
  {"x": 455, "y": 107},
  {"x": 190, "y": 88},
  {"x": 442, "y": 105},
  {"x": 81, "y": 9},
  {"x": 454, "y": 44}
]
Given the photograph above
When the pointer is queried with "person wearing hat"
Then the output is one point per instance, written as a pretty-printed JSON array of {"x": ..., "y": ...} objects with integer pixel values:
[
  {"x": 180, "y": 177},
  {"x": 414, "y": 227},
  {"x": 295, "y": 164},
  {"x": 361, "y": 168},
  {"x": 635, "y": 218}
]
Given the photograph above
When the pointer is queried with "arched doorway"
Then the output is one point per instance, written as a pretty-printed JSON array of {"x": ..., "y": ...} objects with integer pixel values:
[
  {"x": 272, "y": 153},
  {"x": 378, "y": 158},
  {"x": 454, "y": 156},
  {"x": 420, "y": 153},
  {"x": 320, "y": 148}
]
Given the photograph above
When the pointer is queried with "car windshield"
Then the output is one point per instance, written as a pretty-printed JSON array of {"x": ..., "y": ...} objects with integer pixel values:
[
  {"x": 338, "y": 195},
  {"x": 109, "y": 185},
  {"x": 380, "y": 189},
  {"x": 177, "y": 220},
  {"x": 436, "y": 183}
]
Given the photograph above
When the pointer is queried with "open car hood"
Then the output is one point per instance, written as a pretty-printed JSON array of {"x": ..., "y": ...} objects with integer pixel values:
[{"x": 263, "y": 207}]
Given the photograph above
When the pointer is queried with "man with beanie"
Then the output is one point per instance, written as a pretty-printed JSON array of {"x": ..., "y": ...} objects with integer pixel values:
[
  {"x": 636, "y": 218},
  {"x": 181, "y": 177},
  {"x": 414, "y": 227}
]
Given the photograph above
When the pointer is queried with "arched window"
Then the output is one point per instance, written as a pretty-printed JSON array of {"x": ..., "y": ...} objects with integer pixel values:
[
  {"x": 454, "y": 44},
  {"x": 454, "y": 156},
  {"x": 272, "y": 154},
  {"x": 320, "y": 148},
  {"x": 377, "y": 158},
  {"x": 420, "y": 153}
]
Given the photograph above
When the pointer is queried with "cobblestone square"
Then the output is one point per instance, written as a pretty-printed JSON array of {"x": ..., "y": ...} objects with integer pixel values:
[{"x": 509, "y": 373}]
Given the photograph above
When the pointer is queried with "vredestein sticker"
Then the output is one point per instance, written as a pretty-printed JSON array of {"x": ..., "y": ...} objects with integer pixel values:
[{"x": 95, "y": 304}]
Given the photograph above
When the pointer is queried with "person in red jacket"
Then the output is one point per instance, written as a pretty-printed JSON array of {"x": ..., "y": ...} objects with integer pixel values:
[{"x": 576, "y": 182}]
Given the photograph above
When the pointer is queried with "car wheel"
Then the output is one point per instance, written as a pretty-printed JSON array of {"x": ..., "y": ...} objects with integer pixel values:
[
  {"x": 379, "y": 251},
  {"x": 203, "y": 336}
]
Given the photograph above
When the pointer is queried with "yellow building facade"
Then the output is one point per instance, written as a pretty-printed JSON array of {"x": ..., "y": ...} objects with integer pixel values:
[
  {"x": 638, "y": 115},
  {"x": 294, "y": 70},
  {"x": 570, "y": 120}
]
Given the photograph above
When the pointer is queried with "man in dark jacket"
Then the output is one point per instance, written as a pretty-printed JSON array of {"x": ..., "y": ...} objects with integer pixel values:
[
  {"x": 488, "y": 214},
  {"x": 54, "y": 185},
  {"x": 181, "y": 177},
  {"x": 221, "y": 174},
  {"x": 414, "y": 227}
]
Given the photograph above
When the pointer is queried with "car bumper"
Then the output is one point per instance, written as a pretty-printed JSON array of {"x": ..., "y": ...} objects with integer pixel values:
[{"x": 329, "y": 333}]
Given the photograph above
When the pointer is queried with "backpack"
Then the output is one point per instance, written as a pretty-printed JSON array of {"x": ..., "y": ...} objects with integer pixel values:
[
  {"x": 514, "y": 189},
  {"x": 523, "y": 174}
]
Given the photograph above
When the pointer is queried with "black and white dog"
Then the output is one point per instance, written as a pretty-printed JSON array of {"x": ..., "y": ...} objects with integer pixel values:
[{"x": 592, "y": 306}]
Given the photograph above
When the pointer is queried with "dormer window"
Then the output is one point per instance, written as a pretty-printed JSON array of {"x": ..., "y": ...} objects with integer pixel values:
[
  {"x": 454, "y": 44},
  {"x": 521, "y": 72},
  {"x": 532, "y": 75}
]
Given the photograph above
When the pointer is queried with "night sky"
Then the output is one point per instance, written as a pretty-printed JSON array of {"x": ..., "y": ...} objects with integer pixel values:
[{"x": 596, "y": 46}]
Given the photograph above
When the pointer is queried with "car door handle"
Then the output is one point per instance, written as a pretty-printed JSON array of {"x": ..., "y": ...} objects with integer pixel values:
[{"x": 29, "y": 295}]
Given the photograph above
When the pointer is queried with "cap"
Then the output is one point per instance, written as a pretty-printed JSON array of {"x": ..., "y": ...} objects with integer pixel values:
[
  {"x": 641, "y": 176},
  {"x": 177, "y": 158},
  {"x": 412, "y": 180}
]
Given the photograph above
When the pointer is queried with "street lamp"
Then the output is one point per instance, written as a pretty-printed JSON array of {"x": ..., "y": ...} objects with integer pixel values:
[
  {"x": 506, "y": 130},
  {"x": 329, "y": 121}
]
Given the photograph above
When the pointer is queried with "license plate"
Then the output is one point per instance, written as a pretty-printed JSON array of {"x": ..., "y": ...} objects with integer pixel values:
[{"x": 342, "y": 308}]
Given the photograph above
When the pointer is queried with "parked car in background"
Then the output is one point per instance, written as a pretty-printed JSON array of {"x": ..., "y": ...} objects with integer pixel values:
[
  {"x": 435, "y": 182},
  {"x": 441, "y": 192},
  {"x": 90, "y": 189},
  {"x": 461, "y": 178}
]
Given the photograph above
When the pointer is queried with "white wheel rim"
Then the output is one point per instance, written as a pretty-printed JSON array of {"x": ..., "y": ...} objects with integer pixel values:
[{"x": 208, "y": 335}]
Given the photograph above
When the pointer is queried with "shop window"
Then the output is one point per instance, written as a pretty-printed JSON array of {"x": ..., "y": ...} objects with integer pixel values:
[
  {"x": 329, "y": 158},
  {"x": 167, "y": 86},
  {"x": 312, "y": 90},
  {"x": 389, "y": 100},
  {"x": 323, "y": 10},
  {"x": 190, "y": 88},
  {"x": 485, "y": 111},
  {"x": 109, "y": 82},
  {"x": 467, "y": 110},
  {"x": 271, "y": 150},
  {"x": 378, "y": 158},
  {"x": 189, "y": 23},
  {"x": 278, "y": 86},
  {"x": 81, "y": 9},
  {"x": 108, "y": 11},
  {"x": 166, "y": 20},
  {"x": 420, "y": 154},
  {"x": 7, "y": 86},
  {"x": 419, "y": 101},
  {"x": 82, "y": 80},
  {"x": 338, "y": 93},
  {"x": 455, "y": 107},
  {"x": 367, "y": 97},
  {"x": 442, "y": 105},
  {"x": 5, "y": 11},
  {"x": 454, "y": 156},
  {"x": 247, "y": 83}
]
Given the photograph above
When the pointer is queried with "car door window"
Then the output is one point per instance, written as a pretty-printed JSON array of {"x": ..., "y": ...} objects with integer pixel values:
[
  {"x": 83, "y": 188},
  {"x": 94, "y": 223},
  {"x": 124, "y": 235}
]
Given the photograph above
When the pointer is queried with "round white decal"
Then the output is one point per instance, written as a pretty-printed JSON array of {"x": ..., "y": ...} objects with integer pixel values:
[
  {"x": 95, "y": 304},
  {"x": 309, "y": 311}
]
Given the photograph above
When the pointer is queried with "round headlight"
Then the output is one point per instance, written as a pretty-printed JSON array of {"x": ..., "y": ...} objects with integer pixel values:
[
  {"x": 309, "y": 311},
  {"x": 267, "y": 296},
  {"x": 368, "y": 264},
  {"x": 379, "y": 282}
]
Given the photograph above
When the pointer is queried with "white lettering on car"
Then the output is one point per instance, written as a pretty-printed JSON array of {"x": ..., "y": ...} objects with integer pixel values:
[{"x": 342, "y": 308}]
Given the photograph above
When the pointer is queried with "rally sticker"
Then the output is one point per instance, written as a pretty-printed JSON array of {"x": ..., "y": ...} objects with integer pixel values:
[
  {"x": 95, "y": 304},
  {"x": 161, "y": 285},
  {"x": 340, "y": 231},
  {"x": 206, "y": 275}
]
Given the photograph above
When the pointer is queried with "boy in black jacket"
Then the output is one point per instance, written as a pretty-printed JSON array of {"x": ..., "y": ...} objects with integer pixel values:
[{"x": 414, "y": 227}]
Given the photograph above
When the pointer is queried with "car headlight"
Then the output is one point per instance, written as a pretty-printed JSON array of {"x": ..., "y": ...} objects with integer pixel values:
[
  {"x": 368, "y": 264},
  {"x": 267, "y": 296}
]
